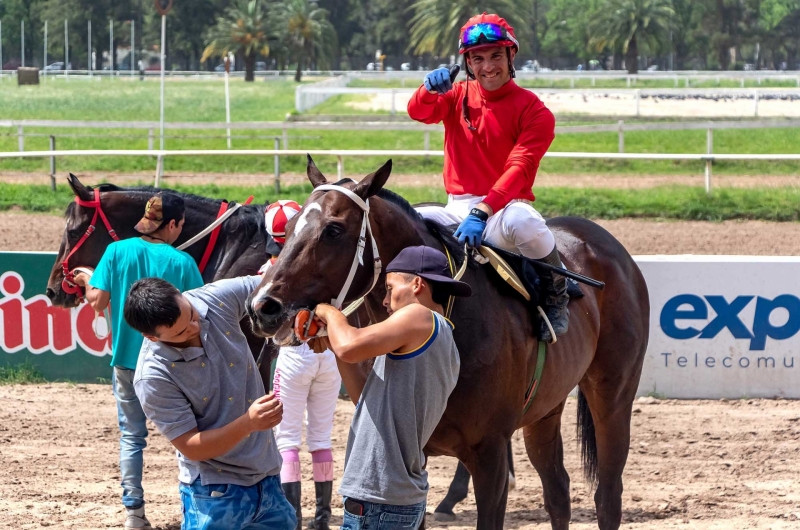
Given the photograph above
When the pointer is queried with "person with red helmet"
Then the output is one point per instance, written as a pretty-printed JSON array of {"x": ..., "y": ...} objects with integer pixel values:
[
  {"x": 303, "y": 381},
  {"x": 495, "y": 135}
]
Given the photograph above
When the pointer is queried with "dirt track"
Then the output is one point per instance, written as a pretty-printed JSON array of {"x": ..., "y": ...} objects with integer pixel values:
[
  {"x": 43, "y": 233},
  {"x": 693, "y": 464}
]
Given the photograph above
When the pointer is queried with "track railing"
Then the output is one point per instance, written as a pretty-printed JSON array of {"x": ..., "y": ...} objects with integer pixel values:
[{"x": 340, "y": 154}]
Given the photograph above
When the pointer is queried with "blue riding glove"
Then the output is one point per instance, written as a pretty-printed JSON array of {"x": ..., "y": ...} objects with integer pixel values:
[
  {"x": 471, "y": 230},
  {"x": 439, "y": 80}
]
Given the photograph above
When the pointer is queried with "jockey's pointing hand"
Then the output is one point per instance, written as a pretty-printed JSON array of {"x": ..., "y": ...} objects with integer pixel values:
[
  {"x": 438, "y": 81},
  {"x": 471, "y": 231}
]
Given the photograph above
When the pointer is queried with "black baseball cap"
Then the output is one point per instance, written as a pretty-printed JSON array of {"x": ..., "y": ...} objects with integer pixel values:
[{"x": 430, "y": 264}]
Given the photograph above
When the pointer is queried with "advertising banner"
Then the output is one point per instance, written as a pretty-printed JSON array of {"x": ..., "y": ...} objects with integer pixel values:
[
  {"x": 722, "y": 326},
  {"x": 64, "y": 344}
]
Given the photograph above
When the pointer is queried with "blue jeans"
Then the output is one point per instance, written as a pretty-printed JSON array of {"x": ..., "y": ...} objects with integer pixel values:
[
  {"x": 231, "y": 507},
  {"x": 132, "y": 440},
  {"x": 384, "y": 517}
]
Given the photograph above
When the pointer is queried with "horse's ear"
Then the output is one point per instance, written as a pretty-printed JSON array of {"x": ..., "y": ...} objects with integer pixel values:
[
  {"x": 314, "y": 174},
  {"x": 373, "y": 182},
  {"x": 80, "y": 191}
]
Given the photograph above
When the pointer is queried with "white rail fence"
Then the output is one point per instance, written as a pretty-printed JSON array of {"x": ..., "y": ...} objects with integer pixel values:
[
  {"x": 340, "y": 154},
  {"x": 285, "y": 126},
  {"x": 306, "y": 96}
]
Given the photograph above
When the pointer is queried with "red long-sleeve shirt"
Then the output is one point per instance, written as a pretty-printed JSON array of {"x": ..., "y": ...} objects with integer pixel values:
[{"x": 501, "y": 158}]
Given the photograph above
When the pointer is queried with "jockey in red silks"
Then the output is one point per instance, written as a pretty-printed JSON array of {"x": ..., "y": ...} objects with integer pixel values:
[{"x": 495, "y": 134}]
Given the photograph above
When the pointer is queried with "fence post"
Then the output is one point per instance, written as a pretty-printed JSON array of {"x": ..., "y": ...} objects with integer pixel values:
[
  {"x": 628, "y": 78},
  {"x": 710, "y": 141},
  {"x": 741, "y": 81},
  {"x": 708, "y": 174},
  {"x": 755, "y": 102},
  {"x": 676, "y": 81},
  {"x": 277, "y": 166},
  {"x": 798, "y": 81},
  {"x": 572, "y": 82},
  {"x": 52, "y": 163},
  {"x": 20, "y": 138},
  {"x": 150, "y": 135},
  {"x": 159, "y": 171},
  {"x": 427, "y": 145},
  {"x": 340, "y": 167},
  {"x": 394, "y": 110},
  {"x": 621, "y": 135},
  {"x": 285, "y": 139},
  {"x": 638, "y": 97},
  {"x": 687, "y": 81}
]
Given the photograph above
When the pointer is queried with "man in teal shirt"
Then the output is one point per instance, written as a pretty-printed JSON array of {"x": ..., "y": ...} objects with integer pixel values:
[{"x": 123, "y": 263}]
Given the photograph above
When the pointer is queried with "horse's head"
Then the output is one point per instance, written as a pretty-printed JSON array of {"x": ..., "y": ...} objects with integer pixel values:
[
  {"x": 321, "y": 245},
  {"x": 89, "y": 252}
]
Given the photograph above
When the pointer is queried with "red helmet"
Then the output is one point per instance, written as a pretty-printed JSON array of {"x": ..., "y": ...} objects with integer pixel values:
[
  {"x": 486, "y": 31},
  {"x": 277, "y": 215}
]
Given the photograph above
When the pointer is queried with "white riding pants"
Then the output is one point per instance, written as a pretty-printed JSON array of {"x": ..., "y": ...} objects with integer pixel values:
[
  {"x": 516, "y": 228},
  {"x": 306, "y": 381}
]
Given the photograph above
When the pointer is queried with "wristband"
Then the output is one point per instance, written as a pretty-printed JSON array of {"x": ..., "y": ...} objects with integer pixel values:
[{"x": 480, "y": 214}]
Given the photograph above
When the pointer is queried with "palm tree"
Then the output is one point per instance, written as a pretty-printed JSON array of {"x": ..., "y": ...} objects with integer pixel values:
[
  {"x": 627, "y": 23},
  {"x": 307, "y": 32},
  {"x": 241, "y": 30},
  {"x": 436, "y": 23}
]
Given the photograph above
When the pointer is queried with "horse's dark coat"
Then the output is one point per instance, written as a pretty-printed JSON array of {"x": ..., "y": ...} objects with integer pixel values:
[{"x": 602, "y": 353}]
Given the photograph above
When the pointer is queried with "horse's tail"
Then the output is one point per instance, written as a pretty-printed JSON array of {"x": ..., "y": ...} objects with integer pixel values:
[{"x": 585, "y": 429}]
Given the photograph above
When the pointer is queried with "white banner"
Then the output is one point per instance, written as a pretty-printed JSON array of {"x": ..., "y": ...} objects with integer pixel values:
[{"x": 722, "y": 326}]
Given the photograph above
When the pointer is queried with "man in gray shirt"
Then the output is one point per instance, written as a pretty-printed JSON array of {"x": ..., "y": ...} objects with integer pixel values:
[
  {"x": 197, "y": 381},
  {"x": 400, "y": 402}
]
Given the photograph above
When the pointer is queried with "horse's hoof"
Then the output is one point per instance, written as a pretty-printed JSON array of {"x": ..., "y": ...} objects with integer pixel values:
[{"x": 444, "y": 517}]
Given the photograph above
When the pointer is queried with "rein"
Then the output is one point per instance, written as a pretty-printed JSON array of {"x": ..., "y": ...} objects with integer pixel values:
[
  {"x": 70, "y": 287},
  {"x": 358, "y": 259}
]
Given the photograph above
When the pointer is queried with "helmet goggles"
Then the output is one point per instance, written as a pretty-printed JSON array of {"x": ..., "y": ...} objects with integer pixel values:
[{"x": 485, "y": 33}]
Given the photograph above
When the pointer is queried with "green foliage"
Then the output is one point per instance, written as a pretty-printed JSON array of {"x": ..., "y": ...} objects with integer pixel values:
[
  {"x": 622, "y": 25},
  {"x": 436, "y": 23},
  {"x": 306, "y": 33},
  {"x": 242, "y": 30},
  {"x": 20, "y": 374}
]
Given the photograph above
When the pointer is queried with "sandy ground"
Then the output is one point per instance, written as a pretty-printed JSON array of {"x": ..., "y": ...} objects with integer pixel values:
[
  {"x": 43, "y": 233},
  {"x": 616, "y": 103},
  {"x": 693, "y": 464},
  {"x": 543, "y": 179}
]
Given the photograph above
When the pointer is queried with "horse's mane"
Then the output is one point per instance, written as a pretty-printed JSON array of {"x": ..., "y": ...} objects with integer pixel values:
[
  {"x": 152, "y": 190},
  {"x": 441, "y": 233}
]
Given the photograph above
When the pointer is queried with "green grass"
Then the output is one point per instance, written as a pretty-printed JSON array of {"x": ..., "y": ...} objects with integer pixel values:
[
  {"x": 20, "y": 374},
  {"x": 196, "y": 100},
  {"x": 666, "y": 202}
]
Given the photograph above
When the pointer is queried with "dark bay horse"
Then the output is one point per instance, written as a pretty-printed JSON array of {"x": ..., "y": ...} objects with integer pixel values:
[
  {"x": 602, "y": 353},
  {"x": 239, "y": 251}
]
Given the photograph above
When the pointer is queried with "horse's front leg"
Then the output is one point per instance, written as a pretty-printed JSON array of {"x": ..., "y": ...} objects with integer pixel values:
[{"x": 489, "y": 468}]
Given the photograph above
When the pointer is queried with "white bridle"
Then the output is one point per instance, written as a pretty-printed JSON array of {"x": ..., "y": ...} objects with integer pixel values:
[{"x": 359, "y": 257}]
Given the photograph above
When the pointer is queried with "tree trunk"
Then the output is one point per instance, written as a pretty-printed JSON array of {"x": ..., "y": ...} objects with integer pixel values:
[
  {"x": 632, "y": 56},
  {"x": 250, "y": 67},
  {"x": 298, "y": 75}
]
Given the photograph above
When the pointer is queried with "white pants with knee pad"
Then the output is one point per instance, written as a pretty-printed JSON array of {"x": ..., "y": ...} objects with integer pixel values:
[
  {"x": 517, "y": 228},
  {"x": 304, "y": 381}
]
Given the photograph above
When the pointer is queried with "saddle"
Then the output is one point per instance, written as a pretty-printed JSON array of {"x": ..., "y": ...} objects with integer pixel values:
[{"x": 520, "y": 272}]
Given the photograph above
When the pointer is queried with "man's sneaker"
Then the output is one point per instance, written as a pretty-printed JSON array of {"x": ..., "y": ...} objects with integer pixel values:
[{"x": 136, "y": 519}]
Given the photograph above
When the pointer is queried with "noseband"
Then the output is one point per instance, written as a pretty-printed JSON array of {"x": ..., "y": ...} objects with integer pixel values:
[
  {"x": 358, "y": 259},
  {"x": 67, "y": 284}
]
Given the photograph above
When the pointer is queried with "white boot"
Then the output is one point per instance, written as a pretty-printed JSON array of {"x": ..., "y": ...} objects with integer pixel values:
[{"x": 136, "y": 519}]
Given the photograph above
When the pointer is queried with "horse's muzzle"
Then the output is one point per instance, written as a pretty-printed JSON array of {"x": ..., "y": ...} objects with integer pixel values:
[
  {"x": 61, "y": 299},
  {"x": 266, "y": 314}
]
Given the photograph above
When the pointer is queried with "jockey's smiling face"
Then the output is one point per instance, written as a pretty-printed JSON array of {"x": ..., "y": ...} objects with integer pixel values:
[{"x": 490, "y": 66}]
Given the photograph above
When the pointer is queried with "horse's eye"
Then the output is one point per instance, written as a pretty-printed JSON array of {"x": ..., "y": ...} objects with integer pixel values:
[
  {"x": 74, "y": 234},
  {"x": 333, "y": 232}
]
